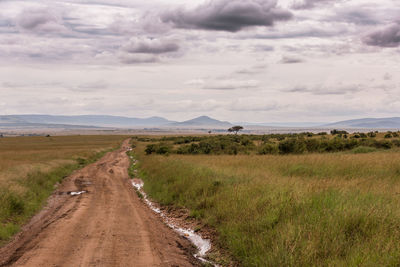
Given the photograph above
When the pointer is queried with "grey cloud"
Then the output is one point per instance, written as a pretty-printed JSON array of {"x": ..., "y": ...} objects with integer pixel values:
[
  {"x": 387, "y": 77},
  {"x": 388, "y": 36},
  {"x": 263, "y": 48},
  {"x": 150, "y": 46},
  {"x": 149, "y": 23},
  {"x": 127, "y": 58},
  {"x": 291, "y": 60},
  {"x": 40, "y": 20},
  {"x": 6, "y": 23},
  {"x": 251, "y": 70},
  {"x": 297, "y": 32},
  {"x": 231, "y": 84},
  {"x": 228, "y": 15},
  {"x": 90, "y": 86},
  {"x": 339, "y": 89},
  {"x": 357, "y": 15},
  {"x": 146, "y": 50},
  {"x": 306, "y": 4},
  {"x": 223, "y": 84}
]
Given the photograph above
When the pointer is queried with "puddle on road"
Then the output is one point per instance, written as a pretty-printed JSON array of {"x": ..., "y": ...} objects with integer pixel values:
[
  {"x": 76, "y": 193},
  {"x": 202, "y": 245}
]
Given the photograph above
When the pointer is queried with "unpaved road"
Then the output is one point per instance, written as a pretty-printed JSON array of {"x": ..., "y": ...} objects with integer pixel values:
[{"x": 108, "y": 226}]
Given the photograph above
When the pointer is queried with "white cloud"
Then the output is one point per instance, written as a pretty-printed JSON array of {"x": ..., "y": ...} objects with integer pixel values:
[{"x": 186, "y": 58}]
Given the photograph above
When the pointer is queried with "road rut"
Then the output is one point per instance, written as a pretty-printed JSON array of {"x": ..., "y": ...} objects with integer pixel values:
[{"x": 106, "y": 226}]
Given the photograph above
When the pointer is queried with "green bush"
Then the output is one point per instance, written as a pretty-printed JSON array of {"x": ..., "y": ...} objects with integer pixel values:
[
  {"x": 267, "y": 144},
  {"x": 292, "y": 145},
  {"x": 268, "y": 149},
  {"x": 161, "y": 148}
]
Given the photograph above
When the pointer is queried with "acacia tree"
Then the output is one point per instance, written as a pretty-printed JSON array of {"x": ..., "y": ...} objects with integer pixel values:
[{"x": 235, "y": 129}]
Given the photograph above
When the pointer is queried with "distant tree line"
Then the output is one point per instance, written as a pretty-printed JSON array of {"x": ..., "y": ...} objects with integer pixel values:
[{"x": 269, "y": 144}]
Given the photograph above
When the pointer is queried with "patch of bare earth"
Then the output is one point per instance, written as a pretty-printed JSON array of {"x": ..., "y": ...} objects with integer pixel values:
[{"x": 106, "y": 225}]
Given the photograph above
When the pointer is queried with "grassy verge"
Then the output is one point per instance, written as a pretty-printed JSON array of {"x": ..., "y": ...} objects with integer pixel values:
[
  {"x": 303, "y": 210},
  {"x": 24, "y": 194},
  {"x": 133, "y": 168}
]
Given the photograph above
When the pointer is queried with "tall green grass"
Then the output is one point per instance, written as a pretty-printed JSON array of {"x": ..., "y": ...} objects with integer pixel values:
[{"x": 311, "y": 210}]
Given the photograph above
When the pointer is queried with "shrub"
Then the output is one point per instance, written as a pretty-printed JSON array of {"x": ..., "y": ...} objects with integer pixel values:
[
  {"x": 160, "y": 148},
  {"x": 388, "y": 135},
  {"x": 396, "y": 142},
  {"x": 334, "y": 132},
  {"x": 312, "y": 145},
  {"x": 150, "y": 149},
  {"x": 268, "y": 149},
  {"x": 292, "y": 145}
]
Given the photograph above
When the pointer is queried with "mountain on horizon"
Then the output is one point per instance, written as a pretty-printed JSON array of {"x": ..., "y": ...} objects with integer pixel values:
[
  {"x": 202, "y": 121},
  {"x": 30, "y": 120},
  {"x": 86, "y": 120},
  {"x": 388, "y": 123}
]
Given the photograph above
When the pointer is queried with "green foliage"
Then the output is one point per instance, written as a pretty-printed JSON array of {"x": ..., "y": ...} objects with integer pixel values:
[
  {"x": 292, "y": 145},
  {"x": 388, "y": 135},
  {"x": 363, "y": 149},
  {"x": 334, "y": 132},
  {"x": 267, "y": 144},
  {"x": 235, "y": 129},
  {"x": 268, "y": 149},
  {"x": 81, "y": 161},
  {"x": 132, "y": 167},
  {"x": 161, "y": 148}
]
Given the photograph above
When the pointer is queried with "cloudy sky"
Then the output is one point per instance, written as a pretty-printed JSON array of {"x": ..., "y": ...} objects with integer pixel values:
[{"x": 236, "y": 60}]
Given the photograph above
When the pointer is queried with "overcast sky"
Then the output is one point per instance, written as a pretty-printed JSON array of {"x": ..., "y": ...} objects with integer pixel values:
[{"x": 235, "y": 60}]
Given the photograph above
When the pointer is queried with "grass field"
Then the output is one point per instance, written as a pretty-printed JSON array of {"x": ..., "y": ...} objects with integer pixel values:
[
  {"x": 31, "y": 166},
  {"x": 330, "y": 209}
]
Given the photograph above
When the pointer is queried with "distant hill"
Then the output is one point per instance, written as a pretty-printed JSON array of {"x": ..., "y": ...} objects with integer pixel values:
[
  {"x": 203, "y": 121},
  {"x": 27, "y": 125},
  {"x": 390, "y": 123},
  {"x": 105, "y": 121},
  {"x": 86, "y": 120}
]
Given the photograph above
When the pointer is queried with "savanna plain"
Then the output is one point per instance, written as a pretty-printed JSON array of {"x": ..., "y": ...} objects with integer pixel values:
[
  {"x": 285, "y": 200},
  {"x": 273, "y": 200}
]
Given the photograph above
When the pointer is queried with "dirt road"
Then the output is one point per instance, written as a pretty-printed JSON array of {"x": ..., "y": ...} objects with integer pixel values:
[{"x": 107, "y": 226}]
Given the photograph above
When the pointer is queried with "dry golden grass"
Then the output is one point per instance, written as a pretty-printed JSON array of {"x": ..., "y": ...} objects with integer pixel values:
[
  {"x": 377, "y": 172},
  {"x": 21, "y": 155},
  {"x": 30, "y": 166},
  {"x": 331, "y": 209}
]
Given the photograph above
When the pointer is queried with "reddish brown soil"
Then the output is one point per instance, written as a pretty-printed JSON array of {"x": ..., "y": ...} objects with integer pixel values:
[{"x": 108, "y": 226}]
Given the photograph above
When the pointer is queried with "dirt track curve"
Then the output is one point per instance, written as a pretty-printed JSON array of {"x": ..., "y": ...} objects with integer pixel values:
[{"x": 108, "y": 226}]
